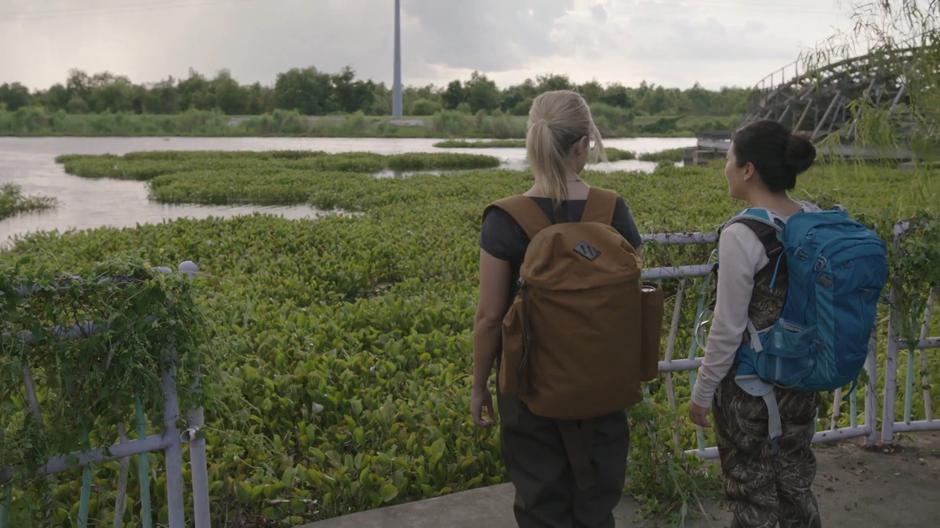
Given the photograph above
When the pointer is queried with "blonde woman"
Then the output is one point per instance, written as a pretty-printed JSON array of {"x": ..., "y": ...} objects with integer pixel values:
[{"x": 565, "y": 472}]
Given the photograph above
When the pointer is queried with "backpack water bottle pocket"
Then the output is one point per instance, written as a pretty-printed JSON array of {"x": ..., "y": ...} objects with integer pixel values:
[
  {"x": 510, "y": 376},
  {"x": 651, "y": 299},
  {"x": 789, "y": 353}
]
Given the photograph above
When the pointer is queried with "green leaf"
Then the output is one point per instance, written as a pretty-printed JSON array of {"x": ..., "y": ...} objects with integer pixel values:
[{"x": 388, "y": 492}]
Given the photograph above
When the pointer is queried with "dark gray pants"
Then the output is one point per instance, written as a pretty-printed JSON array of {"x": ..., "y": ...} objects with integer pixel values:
[{"x": 566, "y": 473}]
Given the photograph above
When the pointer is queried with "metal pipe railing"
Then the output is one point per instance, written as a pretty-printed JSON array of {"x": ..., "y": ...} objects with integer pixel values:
[
  {"x": 170, "y": 441},
  {"x": 669, "y": 365}
]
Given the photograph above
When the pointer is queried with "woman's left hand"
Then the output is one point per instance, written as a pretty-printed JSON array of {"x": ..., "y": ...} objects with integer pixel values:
[
  {"x": 699, "y": 415},
  {"x": 481, "y": 400}
]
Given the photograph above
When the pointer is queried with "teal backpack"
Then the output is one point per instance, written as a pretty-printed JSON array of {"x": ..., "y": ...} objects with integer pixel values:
[{"x": 836, "y": 269}]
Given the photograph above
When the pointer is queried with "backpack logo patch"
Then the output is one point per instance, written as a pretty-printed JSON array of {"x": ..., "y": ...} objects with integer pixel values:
[{"x": 587, "y": 251}]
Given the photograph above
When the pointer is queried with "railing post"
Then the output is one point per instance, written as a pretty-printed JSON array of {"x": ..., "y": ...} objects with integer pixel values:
[
  {"x": 891, "y": 358},
  {"x": 198, "y": 468},
  {"x": 36, "y": 413},
  {"x": 871, "y": 391},
  {"x": 85, "y": 499},
  {"x": 670, "y": 347},
  {"x": 7, "y": 500},
  {"x": 924, "y": 380},
  {"x": 891, "y": 367},
  {"x": 120, "y": 504},
  {"x": 6, "y": 505},
  {"x": 174, "y": 453},
  {"x": 143, "y": 468},
  {"x": 836, "y": 409}
]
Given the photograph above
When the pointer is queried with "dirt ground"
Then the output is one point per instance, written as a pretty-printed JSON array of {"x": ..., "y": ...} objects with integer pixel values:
[{"x": 857, "y": 487}]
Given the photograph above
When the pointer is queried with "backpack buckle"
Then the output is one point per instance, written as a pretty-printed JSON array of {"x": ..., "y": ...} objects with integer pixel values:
[{"x": 820, "y": 264}]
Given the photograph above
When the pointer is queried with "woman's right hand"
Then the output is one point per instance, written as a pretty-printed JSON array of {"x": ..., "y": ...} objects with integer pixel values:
[
  {"x": 699, "y": 415},
  {"x": 481, "y": 399}
]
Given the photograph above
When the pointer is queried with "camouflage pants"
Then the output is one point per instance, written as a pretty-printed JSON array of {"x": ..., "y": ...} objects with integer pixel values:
[{"x": 763, "y": 489}]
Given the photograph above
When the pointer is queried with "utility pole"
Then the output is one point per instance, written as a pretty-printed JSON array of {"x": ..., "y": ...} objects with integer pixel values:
[{"x": 396, "y": 89}]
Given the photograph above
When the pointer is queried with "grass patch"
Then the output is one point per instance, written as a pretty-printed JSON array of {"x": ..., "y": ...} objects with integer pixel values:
[
  {"x": 615, "y": 154},
  {"x": 669, "y": 155},
  {"x": 13, "y": 202},
  {"x": 148, "y": 165}
]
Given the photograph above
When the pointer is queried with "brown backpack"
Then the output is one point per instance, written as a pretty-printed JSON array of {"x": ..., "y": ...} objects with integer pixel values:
[{"x": 582, "y": 331}]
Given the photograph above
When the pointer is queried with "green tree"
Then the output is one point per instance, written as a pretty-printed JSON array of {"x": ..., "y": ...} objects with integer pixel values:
[
  {"x": 453, "y": 95},
  {"x": 885, "y": 27},
  {"x": 545, "y": 83},
  {"x": 482, "y": 93},
  {"x": 617, "y": 95},
  {"x": 14, "y": 96},
  {"x": 305, "y": 90},
  {"x": 423, "y": 107},
  {"x": 659, "y": 101},
  {"x": 230, "y": 98},
  {"x": 78, "y": 83},
  {"x": 162, "y": 98},
  {"x": 260, "y": 99},
  {"x": 592, "y": 91},
  {"x": 76, "y": 105},
  {"x": 517, "y": 99},
  {"x": 55, "y": 98},
  {"x": 109, "y": 93},
  {"x": 194, "y": 92},
  {"x": 351, "y": 95},
  {"x": 381, "y": 100}
]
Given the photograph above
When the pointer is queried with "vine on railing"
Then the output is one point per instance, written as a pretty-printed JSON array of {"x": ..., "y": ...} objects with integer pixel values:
[
  {"x": 915, "y": 269},
  {"x": 87, "y": 382}
]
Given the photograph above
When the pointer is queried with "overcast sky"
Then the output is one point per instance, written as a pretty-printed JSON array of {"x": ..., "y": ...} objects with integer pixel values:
[{"x": 667, "y": 42}]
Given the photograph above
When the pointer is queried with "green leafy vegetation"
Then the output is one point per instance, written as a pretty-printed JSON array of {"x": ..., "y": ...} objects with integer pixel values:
[
  {"x": 308, "y": 102},
  {"x": 144, "y": 321},
  {"x": 343, "y": 345},
  {"x": 40, "y": 121},
  {"x": 148, "y": 165},
  {"x": 615, "y": 154},
  {"x": 12, "y": 201},
  {"x": 313, "y": 92},
  {"x": 668, "y": 155}
]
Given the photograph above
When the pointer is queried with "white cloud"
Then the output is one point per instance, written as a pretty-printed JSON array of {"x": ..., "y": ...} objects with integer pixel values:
[{"x": 670, "y": 42}]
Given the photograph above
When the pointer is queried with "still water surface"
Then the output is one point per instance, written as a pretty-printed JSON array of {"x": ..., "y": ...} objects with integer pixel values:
[{"x": 87, "y": 203}]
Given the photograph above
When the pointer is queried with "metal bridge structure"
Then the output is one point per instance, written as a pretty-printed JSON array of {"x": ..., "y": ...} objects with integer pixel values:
[{"x": 822, "y": 99}]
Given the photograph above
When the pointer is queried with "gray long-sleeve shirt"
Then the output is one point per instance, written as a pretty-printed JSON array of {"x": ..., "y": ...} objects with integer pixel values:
[{"x": 741, "y": 255}]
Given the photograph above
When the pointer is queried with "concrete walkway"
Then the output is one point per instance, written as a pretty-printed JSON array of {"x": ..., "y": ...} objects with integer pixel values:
[{"x": 854, "y": 487}]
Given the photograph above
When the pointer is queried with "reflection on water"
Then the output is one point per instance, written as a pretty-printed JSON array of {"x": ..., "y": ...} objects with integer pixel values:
[{"x": 87, "y": 203}]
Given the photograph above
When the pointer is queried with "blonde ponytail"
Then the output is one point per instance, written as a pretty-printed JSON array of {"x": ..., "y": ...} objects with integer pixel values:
[
  {"x": 547, "y": 159},
  {"x": 557, "y": 120}
]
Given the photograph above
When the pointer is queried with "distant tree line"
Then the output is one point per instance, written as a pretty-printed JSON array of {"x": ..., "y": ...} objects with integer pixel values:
[{"x": 312, "y": 92}]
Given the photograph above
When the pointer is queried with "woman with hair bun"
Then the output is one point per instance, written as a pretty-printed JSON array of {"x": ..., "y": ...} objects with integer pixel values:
[
  {"x": 766, "y": 482},
  {"x": 566, "y": 472}
]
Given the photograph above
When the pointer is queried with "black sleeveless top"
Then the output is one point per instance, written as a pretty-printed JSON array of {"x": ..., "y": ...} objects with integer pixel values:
[{"x": 503, "y": 238}]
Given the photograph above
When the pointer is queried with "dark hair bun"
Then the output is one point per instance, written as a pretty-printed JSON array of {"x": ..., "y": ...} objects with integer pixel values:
[
  {"x": 800, "y": 153},
  {"x": 777, "y": 154}
]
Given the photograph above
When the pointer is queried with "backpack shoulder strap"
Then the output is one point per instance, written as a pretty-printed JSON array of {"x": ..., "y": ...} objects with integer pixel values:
[
  {"x": 525, "y": 212},
  {"x": 600, "y": 206},
  {"x": 765, "y": 231}
]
